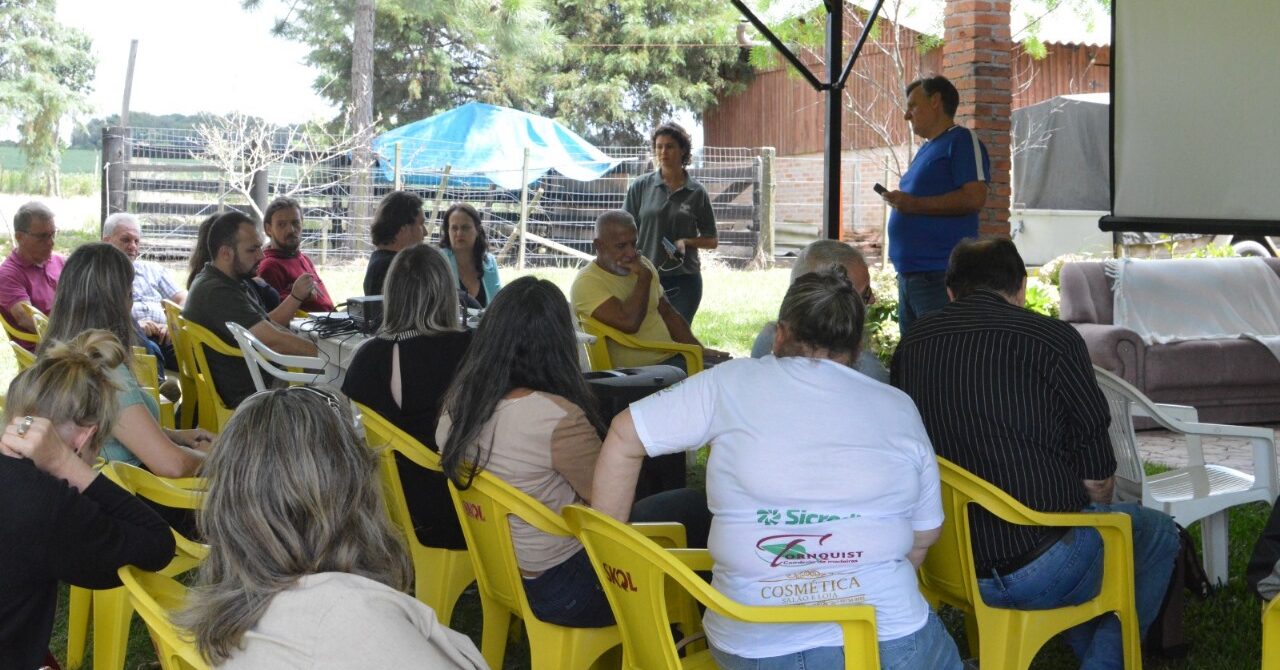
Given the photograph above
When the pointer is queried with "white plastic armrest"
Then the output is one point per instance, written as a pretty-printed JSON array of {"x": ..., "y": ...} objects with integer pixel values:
[{"x": 1179, "y": 412}]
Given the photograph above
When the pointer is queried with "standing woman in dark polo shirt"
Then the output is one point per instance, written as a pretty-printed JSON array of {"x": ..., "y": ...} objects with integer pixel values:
[
  {"x": 669, "y": 204},
  {"x": 403, "y": 373},
  {"x": 60, "y": 521},
  {"x": 398, "y": 224}
]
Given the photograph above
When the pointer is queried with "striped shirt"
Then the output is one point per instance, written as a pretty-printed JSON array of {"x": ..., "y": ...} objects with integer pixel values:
[{"x": 1010, "y": 396}]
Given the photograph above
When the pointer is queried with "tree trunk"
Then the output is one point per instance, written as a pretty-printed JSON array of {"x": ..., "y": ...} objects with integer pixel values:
[{"x": 362, "y": 120}]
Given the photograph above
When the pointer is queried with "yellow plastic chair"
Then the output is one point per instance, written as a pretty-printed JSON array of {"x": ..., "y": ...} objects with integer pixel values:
[
  {"x": 40, "y": 318},
  {"x": 601, "y": 359},
  {"x": 156, "y": 597},
  {"x": 440, "y": 575},
  {"x": 1008, "y": 639},
  {"x": 1271, "y": 635},
  {"x": 636, "y": 574},
  {"x": 146, "y": 369},
  {"x": 186, "y": 364},
  {"x": 111, "y": 608},
  {"x": 213, "y": 411},
  {"x": 485, "y": 509},
  {"x": 18, "y": 335},
  {"x": 24, "y": 358}
]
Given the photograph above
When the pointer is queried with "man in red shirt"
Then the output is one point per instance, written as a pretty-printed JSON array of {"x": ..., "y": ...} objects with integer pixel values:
[
  {"x": 29, "y": 276},
  {"x": 284, "y": 262}
]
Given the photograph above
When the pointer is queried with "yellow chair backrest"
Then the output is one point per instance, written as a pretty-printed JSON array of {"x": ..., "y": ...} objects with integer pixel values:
[
  {"x": 601, "y": 359},
  {"x": 214, "y": 412},
  {"x": 16, "y": 334},
  {"x": 1007, "y": 638},
  {"x": 39, "y": 318},
  {"x": 156, "y": 597},
  {"x": 1271, "y": 635},
  {"x": 184, "y": 493},
  {"x": 186, "y": 363},
  {"x": 24, "y": 358},
  {"x": 440, "y": 575},
  {"x": 636, "y": 573},
  {"x": 485, "y": 509}
]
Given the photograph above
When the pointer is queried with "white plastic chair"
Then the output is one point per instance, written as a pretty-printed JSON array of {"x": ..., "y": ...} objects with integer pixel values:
[
  {"x": 1199, "y": 491},
  {"x": 259, "y": 357}
]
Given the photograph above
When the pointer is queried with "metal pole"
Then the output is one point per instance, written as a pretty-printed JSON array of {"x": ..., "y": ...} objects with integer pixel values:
[
  {"x": 831, "y": 184},
  {"x": 524, "y": 208},
  {"x": 399, "y": 177}
]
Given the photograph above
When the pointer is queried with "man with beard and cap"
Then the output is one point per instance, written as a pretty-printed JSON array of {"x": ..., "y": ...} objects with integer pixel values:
[
  {"x": 284, "y": 262},
  {"x": 218, "y": 295}
]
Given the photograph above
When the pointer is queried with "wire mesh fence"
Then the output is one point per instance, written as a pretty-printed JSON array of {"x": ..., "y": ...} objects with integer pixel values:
[{"x": 173, "y": 180}]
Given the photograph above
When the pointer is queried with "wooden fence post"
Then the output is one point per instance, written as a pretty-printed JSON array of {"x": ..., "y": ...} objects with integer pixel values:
[
  {"x": 765, "y": 239},
  {"x": 115, "y": 175}
]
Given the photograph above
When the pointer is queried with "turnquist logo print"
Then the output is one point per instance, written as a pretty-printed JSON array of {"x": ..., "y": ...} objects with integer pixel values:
[{"x": 795, "y": 549}]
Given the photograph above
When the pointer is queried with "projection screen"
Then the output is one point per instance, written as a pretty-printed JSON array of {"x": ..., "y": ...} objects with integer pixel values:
[{"x": 1195, "y": 126}]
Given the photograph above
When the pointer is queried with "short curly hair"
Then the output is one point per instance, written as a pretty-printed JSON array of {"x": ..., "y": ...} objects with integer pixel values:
[{"x": 676, "y": 132}]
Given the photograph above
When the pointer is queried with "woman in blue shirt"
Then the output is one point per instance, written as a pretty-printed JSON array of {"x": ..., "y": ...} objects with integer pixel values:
[{"x": 463, "y": 242}]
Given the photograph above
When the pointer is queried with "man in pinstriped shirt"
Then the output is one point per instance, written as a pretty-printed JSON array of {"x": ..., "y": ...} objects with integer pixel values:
[{"x": 1010, "y": 396}]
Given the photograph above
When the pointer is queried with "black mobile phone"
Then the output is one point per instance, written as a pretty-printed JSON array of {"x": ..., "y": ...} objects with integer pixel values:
[{"x": 879, "y": 189}]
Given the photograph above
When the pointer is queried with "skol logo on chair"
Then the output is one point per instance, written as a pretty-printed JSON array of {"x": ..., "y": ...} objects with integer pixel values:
[
  {"x": 473, "y": 510},
  {"x": 620, "y": 578}
]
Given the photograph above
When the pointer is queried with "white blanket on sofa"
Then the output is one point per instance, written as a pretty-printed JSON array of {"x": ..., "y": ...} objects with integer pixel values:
[{"x": 1198, "y": 299}]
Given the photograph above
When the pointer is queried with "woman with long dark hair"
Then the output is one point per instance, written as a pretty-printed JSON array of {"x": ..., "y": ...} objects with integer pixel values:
[
  {"x": 520, "y": 409},
  {"x": 464, "y": 243}
]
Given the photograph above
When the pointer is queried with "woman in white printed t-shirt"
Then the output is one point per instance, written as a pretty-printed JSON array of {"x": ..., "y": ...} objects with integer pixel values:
[{"x": 823, "y": 484}]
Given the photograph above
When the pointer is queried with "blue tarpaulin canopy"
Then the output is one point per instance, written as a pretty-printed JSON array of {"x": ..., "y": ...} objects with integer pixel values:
[{"x": 484, "y": 145}]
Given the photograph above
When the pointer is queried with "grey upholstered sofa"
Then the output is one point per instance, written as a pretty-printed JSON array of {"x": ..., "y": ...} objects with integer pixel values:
[{"x": 1229, "y": 381}]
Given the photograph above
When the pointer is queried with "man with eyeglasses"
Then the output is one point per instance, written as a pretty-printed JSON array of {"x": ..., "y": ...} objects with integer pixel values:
[
  {"x": 29, "y": 276},
  {"x": 813, "y": 258}
]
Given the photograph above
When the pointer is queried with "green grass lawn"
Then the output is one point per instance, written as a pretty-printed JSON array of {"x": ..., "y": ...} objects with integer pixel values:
[
  {"x": 1223, "y": 630},
  {"x": 74, "y": 161}
]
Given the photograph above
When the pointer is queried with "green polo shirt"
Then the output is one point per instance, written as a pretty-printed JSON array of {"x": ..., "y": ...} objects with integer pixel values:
[
  {"x": 660, "y": 213},
  {"x": 215, "y": 299}
]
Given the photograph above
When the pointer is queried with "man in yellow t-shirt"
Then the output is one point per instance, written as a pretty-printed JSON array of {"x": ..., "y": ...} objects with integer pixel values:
[{"x": 618, "y": 289}]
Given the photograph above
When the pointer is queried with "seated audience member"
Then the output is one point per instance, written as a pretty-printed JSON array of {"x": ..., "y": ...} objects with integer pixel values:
[
  {"x": 813, "y": 258},
  {"x": 304, "y": 568},
  {"x": 29, "y": 276},
  {"x": 619, "y": 289},
  {"x": 792, "y": 454},
  {"x": 219, "y": 295},
  {"x": 94, "y": 294},
  {"x": 1010, "y": 395},
  {"x": 403, "y": 373},
  {"x": 520, "y": 409},
  {"x": 60, "y": 520},
  {"x": 398, "y": 224},
  {"x": 284, "y": 262},
  {"x": 464, "y": 243},
  {"x": 151, "y": 286},
  {"x": 200, "y": 255}
]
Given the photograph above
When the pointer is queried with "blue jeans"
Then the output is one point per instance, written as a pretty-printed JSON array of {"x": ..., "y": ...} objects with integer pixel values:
[
  {"x": 1070, "y": 573},
  {"x": 684, "y": 292},
  {"x": 918, "y": 294},
  {"x": 929, "y": 648}
]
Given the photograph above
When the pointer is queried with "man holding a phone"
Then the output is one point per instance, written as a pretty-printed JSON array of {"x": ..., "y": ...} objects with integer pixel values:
[{"x": 938, "y": 200}]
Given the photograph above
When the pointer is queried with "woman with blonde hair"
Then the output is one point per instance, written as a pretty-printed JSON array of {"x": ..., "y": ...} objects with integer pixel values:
[
  {"x": 95, "y": 291},
  {"x": 403, "y": 373},
  {"x": 304, "y": 568},
  {"x": 60, "y": 521}
]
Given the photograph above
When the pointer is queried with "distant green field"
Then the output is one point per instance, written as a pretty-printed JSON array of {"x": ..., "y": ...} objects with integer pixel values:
[{"x": 74, "y": 161}]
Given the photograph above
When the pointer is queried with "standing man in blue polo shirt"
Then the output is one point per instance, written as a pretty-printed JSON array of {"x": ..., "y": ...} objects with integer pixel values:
[{"x": 939, "y": 198}]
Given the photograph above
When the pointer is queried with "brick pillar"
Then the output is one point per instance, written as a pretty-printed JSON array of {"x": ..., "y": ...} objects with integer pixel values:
[{"x": 977, "y": 58}]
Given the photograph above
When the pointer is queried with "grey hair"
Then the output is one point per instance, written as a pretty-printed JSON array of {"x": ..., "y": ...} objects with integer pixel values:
[
  {"x": 613, "y": 217},
  {"x": 823, "y": 313},
  {"x": 822, "y": 253},
  {"x": 115, "y": 220},
  {"x": 94, "y": 291},
  {"x": 419, "y": 294},
  {"x": 29, "y": 213},
  {"x": 292, "y": 491}
]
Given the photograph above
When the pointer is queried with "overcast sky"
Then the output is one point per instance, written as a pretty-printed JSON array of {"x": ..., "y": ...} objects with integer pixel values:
[{"x": 196, "y": 56}]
